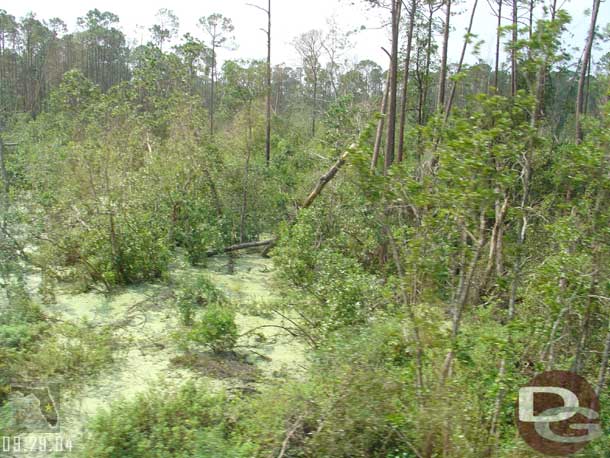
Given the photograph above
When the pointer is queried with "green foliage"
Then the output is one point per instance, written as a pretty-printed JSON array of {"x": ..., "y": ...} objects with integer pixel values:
[
  {"x": 439, "y": 285},
  {"x": 73, "y": 352},
  {"x": 352, "y": 404},
  {"x": 22, "y": 325},
  {"x": 195, "y": 295},
  {"x": 190, "y": 422},
  {"x": 338, "y": 290},
  {"x": 216, "y": 328}
]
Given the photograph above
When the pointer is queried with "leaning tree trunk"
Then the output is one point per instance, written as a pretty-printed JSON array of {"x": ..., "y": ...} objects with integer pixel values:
[
  {"x": 313, "y": 195},
  {"x": 380, "y": 124}
]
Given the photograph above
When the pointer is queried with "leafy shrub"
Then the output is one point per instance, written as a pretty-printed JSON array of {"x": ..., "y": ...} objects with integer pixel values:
[
  {"x": 196, "y": 295},
  {"x": 21, "y": 321},
  {"x": 198, "y": 231},
  {"x": 216, "y": 329},
  {"x": 188, "y": 423},
  {"x": 338, "y": 291},
  {"x": 354, "y": 402},
  {"x": 72, "y": 350}
]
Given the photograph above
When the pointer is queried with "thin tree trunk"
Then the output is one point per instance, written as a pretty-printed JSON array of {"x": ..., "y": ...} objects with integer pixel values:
[
  {"x": 603, "y": 370},
  {"x": 548, "y": 354},
  {"x": 212, "y": 88},
  {"x": 214, "y": 191},
  {"x": 315, "y": 104},
  {"x": 380, "y": 124},
  {"x": 512, "y": 300},
  {"x": 458, "y": 308},
  {"x": 580, "y": 98},
  {"x": 392, "y": 95},
  {"x": 244, "y": 203},
  {"x": 423, "y": 95},
  {"x": 513, "y": 54},
  {"x": 3, "y": 172},
  {"x": 540, "y": 84},
  {"x": 268, "y": 114},
  {"x": 407, "y": 304},
  {"x": 405, "y": 85},
  {"x": 585, "y": 330},
  {"x": 442, "y": 84},
  {"x": 495, "y": 244},
  {"x": 461, "y": 63},
  {"x": 531, "y": 19}
]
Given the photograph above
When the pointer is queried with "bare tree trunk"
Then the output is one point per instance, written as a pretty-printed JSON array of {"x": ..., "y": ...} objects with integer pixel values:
[
  {"x": 380, "y": 124},
  {"x": 585, "y": 328},
  {"x": 405, "y": 85},
  {"x": 461, "y": 63},
  {"x": 531, "y": 19},
  {"x": 392, "y": 95},
  {"x": 244, "y": 203},
  {"x": 603, "y": 370},
  {"x": 315, "y": 103},
  {"x": 240, "y": 246},
  {"x": 466, "y": 286},
  {"x": 326, "y": 178},
  {"x": 3, "y": 172},
  {"x": 513, "y": 54},
  {"x": 212, "y": 88},
  {"x": 498, "y": 41},
  {"x": 548, "y": 353},
  {"x": 268, "y": 114},
  {"x": 512, "y": 300},
  {"x": 442, "y": 84},
  {"x": 540, "y": 84},
  {"x": 580, "y": 98},
  {"x": 495, "y": 244},
  {"x": 423, "y": 95}
]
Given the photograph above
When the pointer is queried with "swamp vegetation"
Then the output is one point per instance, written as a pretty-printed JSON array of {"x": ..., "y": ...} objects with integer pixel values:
[{"x": 233, "y": 259}]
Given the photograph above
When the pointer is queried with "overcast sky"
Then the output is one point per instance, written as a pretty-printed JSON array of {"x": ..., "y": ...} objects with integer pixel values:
[{"x": 291, "y": 17}]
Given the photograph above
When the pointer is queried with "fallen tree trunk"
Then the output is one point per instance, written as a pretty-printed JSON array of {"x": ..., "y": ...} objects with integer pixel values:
[
  {"x": 322, "y": 182},
  {"x": 240, "y": 246}
]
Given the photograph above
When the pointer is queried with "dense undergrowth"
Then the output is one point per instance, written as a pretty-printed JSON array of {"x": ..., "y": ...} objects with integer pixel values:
[{"x": 427, "y": 290}]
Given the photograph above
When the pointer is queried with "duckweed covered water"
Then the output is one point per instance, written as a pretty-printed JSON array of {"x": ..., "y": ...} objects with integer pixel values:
[{"x": 143, "y": 320}]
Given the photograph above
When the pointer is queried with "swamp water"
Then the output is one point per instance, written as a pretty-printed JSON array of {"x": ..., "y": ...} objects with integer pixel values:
[{"x": 143, "y": 320}]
